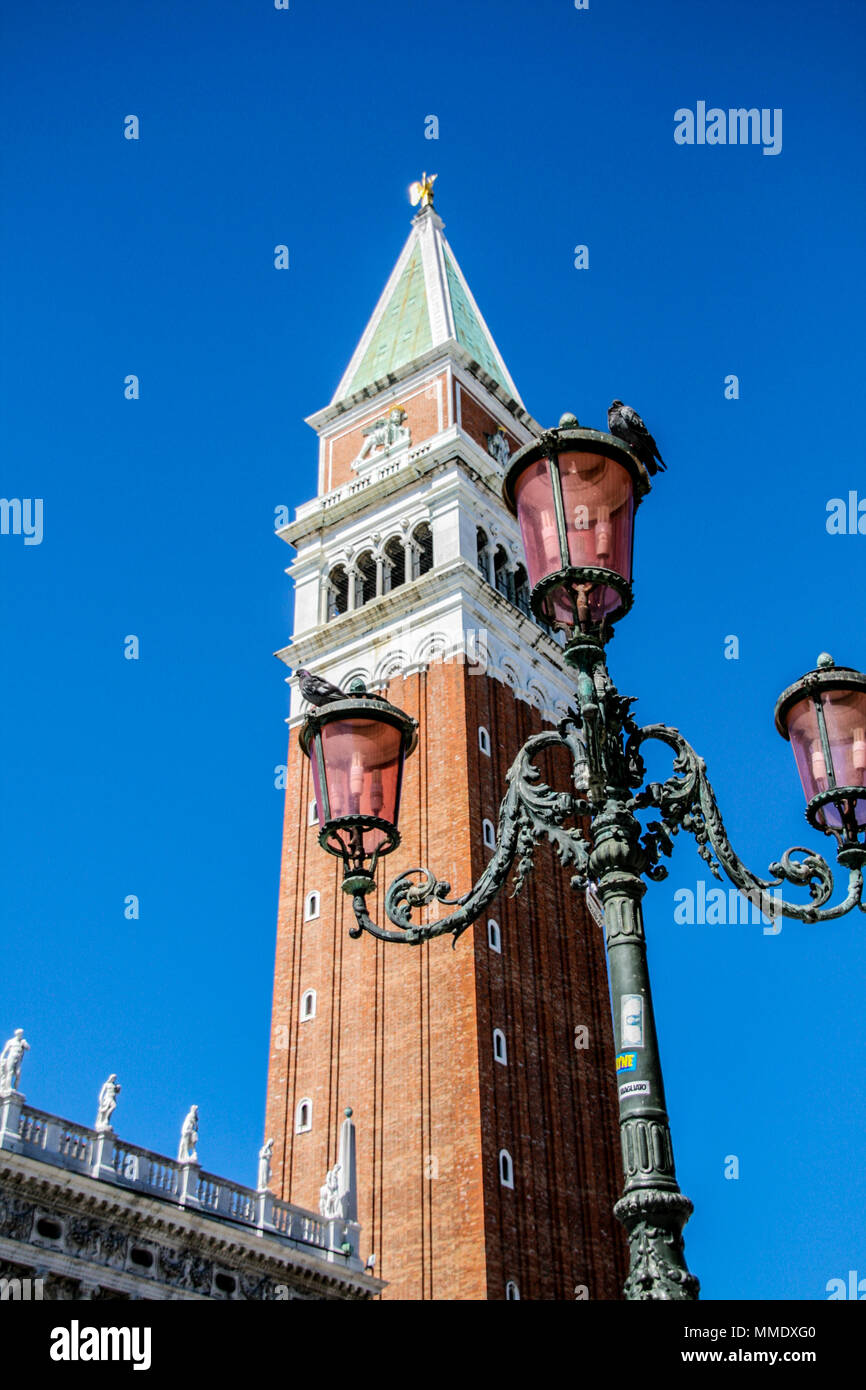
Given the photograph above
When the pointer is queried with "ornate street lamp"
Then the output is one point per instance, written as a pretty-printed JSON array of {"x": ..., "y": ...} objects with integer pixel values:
[
  {"x": 357, "y": 748},
  {"x": 575, "y": 492},
  {"x": 824, "y": 716}
]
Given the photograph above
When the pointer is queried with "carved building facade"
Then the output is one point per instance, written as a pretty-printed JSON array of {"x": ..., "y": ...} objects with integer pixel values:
[
  {"x": 85, "y": 1215},
  {"x": 490, "y": 1158}
]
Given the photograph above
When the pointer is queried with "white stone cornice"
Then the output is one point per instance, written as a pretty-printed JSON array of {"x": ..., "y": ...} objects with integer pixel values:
[
  {"x": 149, "y": 1218},
  {"x": 449, "y": 352},
  {"x": 452, "y": 360},
  {"x": 443, "y": 613},
  {"x": 453, "y": 484},
  {"x": 357, "y": 499}
]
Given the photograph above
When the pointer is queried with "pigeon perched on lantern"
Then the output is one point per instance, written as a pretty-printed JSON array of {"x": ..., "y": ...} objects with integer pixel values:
[
  {"x": 316, "y": 690},
  {"x": 626, "y": 424}
]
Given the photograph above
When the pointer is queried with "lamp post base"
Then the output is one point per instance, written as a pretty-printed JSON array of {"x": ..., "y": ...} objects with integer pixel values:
[{"x": 654, "y": 1222}]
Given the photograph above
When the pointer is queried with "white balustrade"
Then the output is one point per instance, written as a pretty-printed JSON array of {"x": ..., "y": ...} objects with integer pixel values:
[
  {"x": 34, "y": 1129},
  {"x": 76, "y": 1145},
  {"x": 56, "y": 1141}
]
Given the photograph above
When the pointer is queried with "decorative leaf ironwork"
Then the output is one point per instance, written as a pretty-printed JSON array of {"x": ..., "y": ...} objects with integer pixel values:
[
  {"x": 529, "y": 811},
  {"x": 687, "y": 802},
  {"x": 605, "y": 747}
]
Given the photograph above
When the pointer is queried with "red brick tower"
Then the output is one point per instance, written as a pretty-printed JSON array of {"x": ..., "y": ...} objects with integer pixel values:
[{"x": 481, "y": 1077}]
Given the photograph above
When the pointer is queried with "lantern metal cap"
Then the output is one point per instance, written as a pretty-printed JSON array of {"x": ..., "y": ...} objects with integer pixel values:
[
  {"x": 356, "y": 705},
  {"x": 826, "y": 675},
  {"x": 568, "y": 440}
]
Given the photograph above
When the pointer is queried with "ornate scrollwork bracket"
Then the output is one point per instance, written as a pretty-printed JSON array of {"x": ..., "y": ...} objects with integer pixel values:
[
  {"x": 605, "y": 744},
  {"x": 529, "y": 811},
  {"x": 687, "y": 802}
]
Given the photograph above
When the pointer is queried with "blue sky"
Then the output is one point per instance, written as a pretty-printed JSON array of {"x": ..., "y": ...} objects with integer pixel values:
[{"x": 155, "y": 257}]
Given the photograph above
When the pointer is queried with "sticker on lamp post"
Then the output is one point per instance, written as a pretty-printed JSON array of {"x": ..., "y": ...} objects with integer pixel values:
[
  {"x": 631, "y": 1021},
  {"x": 633, "y": 1088}
]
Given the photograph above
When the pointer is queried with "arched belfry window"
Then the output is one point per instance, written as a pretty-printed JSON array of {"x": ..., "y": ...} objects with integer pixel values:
[
  {"x": 304, "y": 1116},
  {"x": 423, "y": 538},
  {"x": 308, "y": 1005},
  {"x": 365, "y": 583},
  {"x": 483, "y": 740},
  {"x": 503, "y": 579},
  {"x": 522, "y": 590},
  {"x": 395, "y": 564},
  {"x": 338, "y": 592},
  {"x": 483, "y": 552},
  {"x": 494, "y": 936},
  {"x": 500, "y": 1051}
]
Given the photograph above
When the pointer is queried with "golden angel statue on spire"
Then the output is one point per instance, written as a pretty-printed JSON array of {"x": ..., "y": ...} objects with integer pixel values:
[{"x": 421, "y": 191}]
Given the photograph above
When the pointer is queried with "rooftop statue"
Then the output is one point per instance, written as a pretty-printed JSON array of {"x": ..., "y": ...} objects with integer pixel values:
[
  {"x": 266, "y": 1153},
  {"x": 189, "y": 1137},
  {"x": 107, "y": 1102},
  {"x": 330, "y": 1196},
  {"x": 10, "y": 1061}
]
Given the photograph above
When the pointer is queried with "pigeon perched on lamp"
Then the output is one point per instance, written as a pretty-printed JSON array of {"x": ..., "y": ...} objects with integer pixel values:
[
  {"x": 316, "y": 690},
  {"x": 627, "y": 425}
]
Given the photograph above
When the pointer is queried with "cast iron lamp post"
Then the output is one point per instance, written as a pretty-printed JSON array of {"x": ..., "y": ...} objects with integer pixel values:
[{"x": 575, "y": 493}]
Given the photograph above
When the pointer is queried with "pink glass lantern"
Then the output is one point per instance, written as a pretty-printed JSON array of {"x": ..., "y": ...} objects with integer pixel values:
[
  {"x": 575, "y": 493},
  {"x": 824, "y": 717},
  {"x": 357, "y": 748}
]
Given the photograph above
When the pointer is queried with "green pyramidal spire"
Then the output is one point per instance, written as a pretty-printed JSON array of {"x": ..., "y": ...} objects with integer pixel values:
[{"x": 425, "y": 304}]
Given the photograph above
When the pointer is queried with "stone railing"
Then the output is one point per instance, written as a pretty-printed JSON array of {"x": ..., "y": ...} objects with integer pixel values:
[
  {"x": 373, "y": 475},
  {"x": 295, "y": 1224},
  {"x": 140, "y": 1168},
  {"x": 51, "y": 1138},
  {"x": 101, "y": 1155}
]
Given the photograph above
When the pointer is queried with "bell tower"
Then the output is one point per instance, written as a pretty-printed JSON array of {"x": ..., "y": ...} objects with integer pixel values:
[{"x": 481, "y": 1077}]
